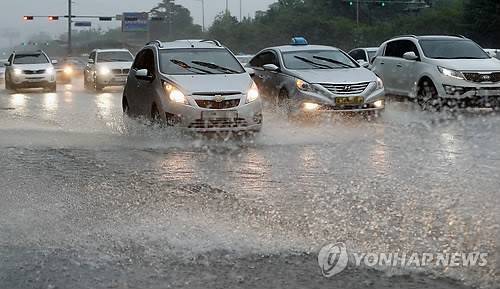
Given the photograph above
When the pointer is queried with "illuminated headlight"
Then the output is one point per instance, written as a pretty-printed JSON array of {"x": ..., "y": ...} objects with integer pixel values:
[
  {"x": 378, "y": 104},
  {"x": 50, "y": 71},
  {"x": 304, "y": 86},
  {"x": 104, "y": 71},
  {"x": 451, "y": 73},
  {"x": 310, "y": 106},
  {"x": 174, "y": 94},
  {"x": 68, "y": 70},
  {"x": 18, "y": 71},
  {"x": 380, "y": 83},
  {"x": 253, "y": 93}
]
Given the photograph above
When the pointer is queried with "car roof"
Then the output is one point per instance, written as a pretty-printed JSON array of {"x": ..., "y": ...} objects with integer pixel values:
[
  {"x": 112, "y": 50},
  {"x": 292, "y": 48},
  {"x": 431, "y": 37},
  {"x": 188, "y": 43},
  {"x": 29, "y": 52}
]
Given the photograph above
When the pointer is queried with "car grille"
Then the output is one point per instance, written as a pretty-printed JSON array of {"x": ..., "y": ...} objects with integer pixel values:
[
  {"x": 29, "y": 72},
  {"x": 120, "y": 71},
  {"x": 219, "y": 123},
  {"x": 212, "y": 104},
  {"x": 355, "y": 88},
  {"x": 482, "y": 77}
]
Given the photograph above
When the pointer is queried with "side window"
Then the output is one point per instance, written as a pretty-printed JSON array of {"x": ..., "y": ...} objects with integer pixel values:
[
  {"x": 264, "y": 58},
  {"x": 145, "y": 60},
  {"x": 399, "y": 47},
  {"x": 358, "y": 54}
]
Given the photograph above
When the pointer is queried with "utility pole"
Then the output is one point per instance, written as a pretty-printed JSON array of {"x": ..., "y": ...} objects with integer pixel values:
[
  {"x": 227, "y": 6},
  {"x": 357, "y": 13},
  {"x": 70, "y": 16},
  {"x": 241, "y": 11}
]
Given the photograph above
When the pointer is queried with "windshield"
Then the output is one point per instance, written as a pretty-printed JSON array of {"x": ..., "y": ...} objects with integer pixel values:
[
  {"x": 317, "y": 59},
  {"x": 117, "y": 56},
  {"x": 37, "y": 58},
  {"x": 199, "y": 61},
  {"x": 452, "y": 49}
]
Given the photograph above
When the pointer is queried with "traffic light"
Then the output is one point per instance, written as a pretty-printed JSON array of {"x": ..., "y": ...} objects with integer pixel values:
[
  {"x": 105, "y": 18},
  {"x": 53, "y": 18},
  {"x": 382, "y": 3},
  {"x": 27, "y": 18},
  {"x": 351, "y": 3}
]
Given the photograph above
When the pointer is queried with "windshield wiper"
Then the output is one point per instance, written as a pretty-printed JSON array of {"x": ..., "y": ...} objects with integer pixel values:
[
  {"x": 189, "y": 67},
  {"x": 333, "y": 61},
  {"x": 215, "y": 66},
  {"x": 323, "y": 66}
]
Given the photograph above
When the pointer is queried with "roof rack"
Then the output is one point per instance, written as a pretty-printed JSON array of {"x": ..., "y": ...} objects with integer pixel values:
[
  {"x": 212, "y": 41},
  {"x": 406, "y": 35},
  {"x": 155, "y": 42}
]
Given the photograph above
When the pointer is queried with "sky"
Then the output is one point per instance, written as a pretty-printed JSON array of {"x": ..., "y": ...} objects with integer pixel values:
[{"x": 11, "y": 13}]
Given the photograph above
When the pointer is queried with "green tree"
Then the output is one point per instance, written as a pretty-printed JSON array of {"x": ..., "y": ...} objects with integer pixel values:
[
  {"x": 177, "y": 22},
  {"x": 482, "y": 18}
]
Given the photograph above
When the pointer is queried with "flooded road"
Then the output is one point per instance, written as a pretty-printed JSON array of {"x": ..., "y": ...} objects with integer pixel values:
[{"x": 89, "y": 199}]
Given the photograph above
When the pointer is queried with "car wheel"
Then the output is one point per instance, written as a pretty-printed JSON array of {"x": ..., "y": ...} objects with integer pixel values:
[
  {"x": 283, "y": 100},
  {"x": 427, "y": 96},
  {"x": 155, "y": 114},
  {"x": 125, "y": 106}
]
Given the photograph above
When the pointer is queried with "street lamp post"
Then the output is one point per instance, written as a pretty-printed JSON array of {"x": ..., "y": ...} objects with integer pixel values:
[{"x": 70, "y": 44}]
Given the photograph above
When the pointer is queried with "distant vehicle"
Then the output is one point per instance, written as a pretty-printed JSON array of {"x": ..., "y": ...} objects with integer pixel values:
[
  {"x": 244, "y": 59},
  {"x": 313, "y": 79},
  {"x": 2, "y": 69},
  {"x": 196, "y": 84},
  {"x": 493, "y": 53},
  {"x": 68, "y": 68},
  {"x": 107, "y": 67},
  {"x": 30, "y": 70},
  {"x": 439, "y": 71},
  {"x": 364, "y": 56}
]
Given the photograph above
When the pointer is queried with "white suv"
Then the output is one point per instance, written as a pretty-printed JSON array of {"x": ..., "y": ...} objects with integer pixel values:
[
  {"x": 107, "y": 67},
  {"x": 439, "y": 71},
  {"x": 30, "y": 70}
]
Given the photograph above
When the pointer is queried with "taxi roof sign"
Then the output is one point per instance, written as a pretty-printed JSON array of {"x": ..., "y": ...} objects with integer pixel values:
[{"x": 299, "y": 41}]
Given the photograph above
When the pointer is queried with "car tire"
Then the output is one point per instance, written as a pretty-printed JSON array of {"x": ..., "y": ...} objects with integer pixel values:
[
  {"x": 427, "y": 96},
  {"x": 155, "y": 114},
  {"x": 125, "y": 107}
]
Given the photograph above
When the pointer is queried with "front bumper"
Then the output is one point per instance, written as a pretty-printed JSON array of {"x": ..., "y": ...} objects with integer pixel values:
[
  {"x": 112, "y": 80},
  {"x": 328, "y": 104},
  {"x": 246, "y": 117},
  {"x": 32, "y": 81}
]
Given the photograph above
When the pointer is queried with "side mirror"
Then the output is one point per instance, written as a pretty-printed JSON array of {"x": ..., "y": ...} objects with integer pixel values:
[
  {"x": 91, "y": 61},
  {"x": 410, "y": 56},
  {"x": 363, "y": 63},
  {"x": 250, "y": 71},
  {"x": 143, "y": 74},
  {"x": 54, "y": 61},
  {"x": 6, "y": 63},
  {"x": 270, "y": 67}
]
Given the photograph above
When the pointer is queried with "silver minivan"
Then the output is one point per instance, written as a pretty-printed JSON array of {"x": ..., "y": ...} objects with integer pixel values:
[{"x": 196, "y": 84}]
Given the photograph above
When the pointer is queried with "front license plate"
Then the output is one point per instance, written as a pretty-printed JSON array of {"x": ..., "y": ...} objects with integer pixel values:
[
  {"x": 351, "y": 100},
  {"x": 227, "y": 114}
]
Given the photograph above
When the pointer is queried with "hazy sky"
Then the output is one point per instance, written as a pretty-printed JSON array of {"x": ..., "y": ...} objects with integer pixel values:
[{"x": 12, "y": 11}]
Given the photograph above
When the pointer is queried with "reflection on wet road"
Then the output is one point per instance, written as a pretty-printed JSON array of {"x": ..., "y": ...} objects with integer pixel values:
[{"x": 85, "y": 192}]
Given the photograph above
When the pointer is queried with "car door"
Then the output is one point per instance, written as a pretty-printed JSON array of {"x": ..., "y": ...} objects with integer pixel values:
[
  {"x": 90, "y": 67},
  {"x": 406, "y": 69},
  {"x": 266, "y": 80},
  {"x": 385, "y": 66},
  {"x": 139, "y": 92}
]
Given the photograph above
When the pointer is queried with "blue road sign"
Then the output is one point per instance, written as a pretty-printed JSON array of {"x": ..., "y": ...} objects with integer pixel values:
[{"x": 135, "y": 22}]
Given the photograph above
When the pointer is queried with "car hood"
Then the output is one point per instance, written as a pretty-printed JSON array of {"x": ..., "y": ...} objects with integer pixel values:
[
  {"x": 115, "y": 65},
  {"x": 340, "y": 76},
  {"x": 32, "y": 66},
  {"x": 470, "y": 64},
  {"x": 216, "y": 83}
]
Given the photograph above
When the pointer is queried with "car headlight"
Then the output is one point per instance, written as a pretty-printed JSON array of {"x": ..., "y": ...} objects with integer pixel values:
[
  {"x": 18, "y": 71},
  {"x": 50, "y": 70},
  {"x": 451, "y": 73},
  {"x": 68, "y": 70},
  {"x": 175, "y": 94},
  {"x": 304, "y": 86},
  {"x": 104, "y": 71},
  {"x": 253, "y": 93},
  {"x": 380, "y": 83}
]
